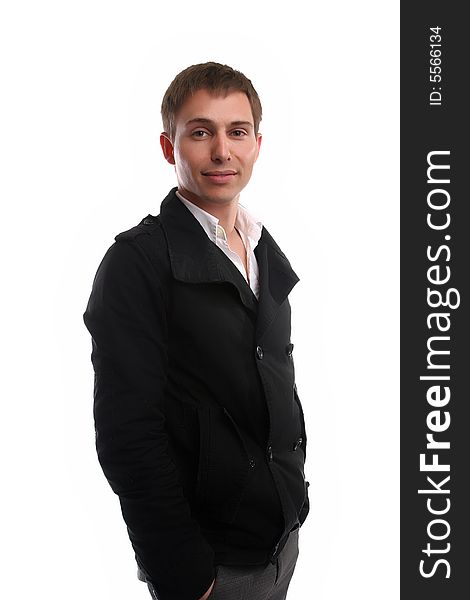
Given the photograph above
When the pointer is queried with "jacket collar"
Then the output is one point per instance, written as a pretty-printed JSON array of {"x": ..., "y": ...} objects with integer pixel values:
[
  {"x": 276, "y": 280},
  {"x": 195, "y": 259}
]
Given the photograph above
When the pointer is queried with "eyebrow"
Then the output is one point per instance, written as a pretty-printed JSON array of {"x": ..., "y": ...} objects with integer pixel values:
[{"x": 210, "y": 122}]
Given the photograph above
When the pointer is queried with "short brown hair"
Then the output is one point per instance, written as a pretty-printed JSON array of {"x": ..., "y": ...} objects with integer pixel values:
[{"x": 210, "y": 76}]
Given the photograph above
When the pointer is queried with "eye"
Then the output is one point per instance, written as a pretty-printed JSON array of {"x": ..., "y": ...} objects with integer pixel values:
[
  {"x": 199, "y": 133},
  {"x": 239, "y": 133}
]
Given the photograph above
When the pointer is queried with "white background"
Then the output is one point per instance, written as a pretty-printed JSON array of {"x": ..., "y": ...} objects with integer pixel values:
[{"x": 80, "y": 161}]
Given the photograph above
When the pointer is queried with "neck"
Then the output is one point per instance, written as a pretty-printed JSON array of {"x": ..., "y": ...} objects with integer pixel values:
[{"x": 226, "y": 212}]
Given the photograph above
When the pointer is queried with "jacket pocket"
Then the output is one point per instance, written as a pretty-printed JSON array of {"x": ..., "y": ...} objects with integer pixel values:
[
  {"x": 223, "y": 464},
  {"x": 302, "y": 420},
  {"x": 305, "y": 507}
]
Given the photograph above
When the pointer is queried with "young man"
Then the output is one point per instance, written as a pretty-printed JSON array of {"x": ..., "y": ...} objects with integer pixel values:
[{"x": 199, "y": 429}]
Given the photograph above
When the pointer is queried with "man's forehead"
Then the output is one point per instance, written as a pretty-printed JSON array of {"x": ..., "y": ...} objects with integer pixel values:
[
  {"x": 207, "y": 121},
  {"x": 209, "y": 106}
]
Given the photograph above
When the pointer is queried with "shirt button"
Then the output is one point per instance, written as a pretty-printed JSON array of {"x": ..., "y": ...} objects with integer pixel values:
[{"x": 259, "y": 352}]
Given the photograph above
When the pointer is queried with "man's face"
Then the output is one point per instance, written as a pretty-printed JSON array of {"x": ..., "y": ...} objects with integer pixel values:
[{"x": 215, "y": 147}]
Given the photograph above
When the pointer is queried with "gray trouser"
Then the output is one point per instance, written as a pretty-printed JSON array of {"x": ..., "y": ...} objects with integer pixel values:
[{"x": 255, "y": 583}]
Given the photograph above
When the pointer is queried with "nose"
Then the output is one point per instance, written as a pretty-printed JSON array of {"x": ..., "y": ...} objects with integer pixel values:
[{"x": 220, "y": 151}]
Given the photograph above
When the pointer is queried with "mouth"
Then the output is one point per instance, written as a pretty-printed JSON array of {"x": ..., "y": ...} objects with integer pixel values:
[{"x": 219, "y": 176}]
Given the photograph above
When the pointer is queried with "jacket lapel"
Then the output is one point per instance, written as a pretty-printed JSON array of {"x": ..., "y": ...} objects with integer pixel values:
[
  {"x": 276, "y": 280},
  {"x": 193, "y": 257}
]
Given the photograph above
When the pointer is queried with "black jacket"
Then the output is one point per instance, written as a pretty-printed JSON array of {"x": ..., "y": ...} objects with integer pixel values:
[{"x": 199, "y": 428}]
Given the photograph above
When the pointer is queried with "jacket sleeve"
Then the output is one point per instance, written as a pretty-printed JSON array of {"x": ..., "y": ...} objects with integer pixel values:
[{"x": 126, "y": 316}]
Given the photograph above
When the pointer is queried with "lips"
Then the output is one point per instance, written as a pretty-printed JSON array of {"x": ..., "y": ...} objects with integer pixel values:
[{"x": 219, "y": 176}]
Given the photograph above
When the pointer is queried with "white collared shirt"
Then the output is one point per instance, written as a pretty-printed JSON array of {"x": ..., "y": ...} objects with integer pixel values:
[{"x": 249, "y": 229}]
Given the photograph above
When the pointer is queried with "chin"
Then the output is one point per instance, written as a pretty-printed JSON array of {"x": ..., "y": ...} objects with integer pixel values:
[
  {"x": 221, "y": 196},
  {"x": 226, "y": 197}
]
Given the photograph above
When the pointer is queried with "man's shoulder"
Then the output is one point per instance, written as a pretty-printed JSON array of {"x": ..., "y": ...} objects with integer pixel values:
[
  {"x": 147, "y": 239},
  {"x": 148, "y": 226}
]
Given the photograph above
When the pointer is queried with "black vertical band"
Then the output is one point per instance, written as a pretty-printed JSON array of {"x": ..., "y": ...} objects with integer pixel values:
[{"x": 435, "y": 317}]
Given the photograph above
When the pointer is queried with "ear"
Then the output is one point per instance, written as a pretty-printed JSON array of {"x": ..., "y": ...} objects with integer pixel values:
[
  {"x": 259, "y": 138},
  {"x": 167, "y": 147}
]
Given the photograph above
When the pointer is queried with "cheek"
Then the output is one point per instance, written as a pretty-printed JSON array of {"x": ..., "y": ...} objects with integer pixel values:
[
  {"x": 251, "y": 156},
  {"x": 187, "y": 161},
  {"x": 250, "y": 161},
  {"x": 184, "y": 166}
]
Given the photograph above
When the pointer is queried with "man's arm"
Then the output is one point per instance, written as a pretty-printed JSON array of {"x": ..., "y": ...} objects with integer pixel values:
[{"x": 126, "y": 316}]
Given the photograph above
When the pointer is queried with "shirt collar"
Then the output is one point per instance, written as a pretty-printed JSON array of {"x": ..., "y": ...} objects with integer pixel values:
[{"x": 245, "y": 222}]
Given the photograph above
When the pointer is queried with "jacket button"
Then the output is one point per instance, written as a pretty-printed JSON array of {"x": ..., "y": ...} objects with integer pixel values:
[
  {"x": 259, "y": 352},
  {"x": 289, "y": 349},
  {"x": 270, "y": 453},
  {"x": 252, "y": 463},
  {"x": 298, "y": 443}
]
